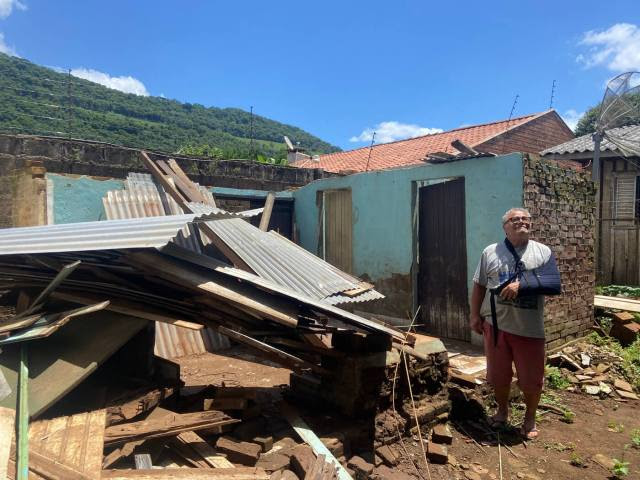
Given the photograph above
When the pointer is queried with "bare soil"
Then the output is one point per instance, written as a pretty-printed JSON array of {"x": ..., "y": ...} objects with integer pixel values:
[{"x": 601, "y": 426}]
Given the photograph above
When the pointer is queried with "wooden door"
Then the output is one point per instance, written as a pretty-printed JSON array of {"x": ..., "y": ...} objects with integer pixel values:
[
  {"x": 337, "y": 228},
  {"x": 442, "y": 260}
]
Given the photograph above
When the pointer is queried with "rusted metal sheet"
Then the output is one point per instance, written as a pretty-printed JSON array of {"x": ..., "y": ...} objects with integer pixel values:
[{"x": 442, "y": 257}]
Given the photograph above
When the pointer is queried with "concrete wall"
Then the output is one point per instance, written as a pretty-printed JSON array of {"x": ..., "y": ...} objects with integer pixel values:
[
  {"x": 383, "y": 217},
  {"x": 79, "y": 157}
]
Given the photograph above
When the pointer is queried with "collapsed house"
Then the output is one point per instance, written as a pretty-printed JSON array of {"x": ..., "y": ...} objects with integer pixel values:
[{"x": 81, "y": 300}]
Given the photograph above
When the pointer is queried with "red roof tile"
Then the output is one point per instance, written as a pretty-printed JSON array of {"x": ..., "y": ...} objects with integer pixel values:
[{"x": 414, "y": 150}]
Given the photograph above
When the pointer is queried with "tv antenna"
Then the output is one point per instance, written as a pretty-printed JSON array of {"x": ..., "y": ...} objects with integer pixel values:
[{"x": 619, "y": 107}]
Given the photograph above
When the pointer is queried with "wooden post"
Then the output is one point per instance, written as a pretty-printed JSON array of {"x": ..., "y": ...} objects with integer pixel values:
[{"x": 266, "y": 213}]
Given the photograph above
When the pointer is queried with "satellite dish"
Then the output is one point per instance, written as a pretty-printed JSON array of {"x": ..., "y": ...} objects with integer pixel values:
[
  {"x": 619, "y": 107},
  {"x": 289, "y": 144}
]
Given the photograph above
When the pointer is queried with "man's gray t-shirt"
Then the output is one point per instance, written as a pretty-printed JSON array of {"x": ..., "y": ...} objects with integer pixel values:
[{"x": 523, "y": 316}]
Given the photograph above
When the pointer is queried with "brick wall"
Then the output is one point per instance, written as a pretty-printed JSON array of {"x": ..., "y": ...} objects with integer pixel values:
[
  {"x": 61, "y": 155},
  {"x": 562, "y": 203},
  {"x": 532, "y": 137}
]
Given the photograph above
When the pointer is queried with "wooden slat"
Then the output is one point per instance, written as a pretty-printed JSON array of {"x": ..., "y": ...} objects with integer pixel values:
[
  {"x": 168, "y": 425},
  {"x": 617, "y": 303},
  {"x": 7, "y": 429},
  {"x": 240, "y": 473},
  {"x": 75, "y": 441},
  {"x": 204, "y": 450},
  {"x": 266, "y": 213},
  {"x": 303, "y": 430},
  {"x": 182, "y": 202}
]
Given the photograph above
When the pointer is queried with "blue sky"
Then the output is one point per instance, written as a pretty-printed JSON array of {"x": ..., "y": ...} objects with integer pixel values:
[{"x": 340, "y": 70}]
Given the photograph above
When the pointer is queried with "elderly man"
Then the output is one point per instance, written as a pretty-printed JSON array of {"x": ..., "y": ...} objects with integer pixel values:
[{"x": 513, "y": 327}]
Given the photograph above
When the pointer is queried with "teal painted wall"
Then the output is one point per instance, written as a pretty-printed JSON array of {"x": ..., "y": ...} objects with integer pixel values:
[
  {"x": 382, "y": 203},
  {"x": 78, "y": 199}
]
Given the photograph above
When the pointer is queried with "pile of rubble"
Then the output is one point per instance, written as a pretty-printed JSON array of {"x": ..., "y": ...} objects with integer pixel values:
[
  {"x": 82, "y": 306},
  {"x": 593, "y": 369}
]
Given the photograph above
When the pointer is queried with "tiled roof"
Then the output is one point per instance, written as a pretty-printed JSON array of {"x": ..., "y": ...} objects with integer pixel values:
[
  {"x": 585, "y": 143},
  {"x": 414, "y": 150}
]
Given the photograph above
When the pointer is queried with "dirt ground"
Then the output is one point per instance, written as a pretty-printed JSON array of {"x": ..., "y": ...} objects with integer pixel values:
[{"x": 600, "y": 426}]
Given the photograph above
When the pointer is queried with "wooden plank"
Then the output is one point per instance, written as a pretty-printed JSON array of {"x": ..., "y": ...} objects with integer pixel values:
[
  {"x": 204, "y": 450},
  {"x": 75, "y": 441},
  {"x": 303, "y": 430},
  {"x": 266, "y": 305},
  {"x": 57, "y": 280},
  {"x": 7, "y": 433},
  {"x": 42, "y": 467},
  {"x": 168, "y": 425},
  {"x": 182, "y": 202},
  {"x": 617, "y": 303},
  {"x": 130, "y": 408},
  {"x": 280, "y": 356},
  {"x": 266, "y": 213},
  {"x": 185, "y": 178},
  {"x": 22, "y": 434},
  {"x": 128, "y": 308},
  {"x": 64, "y": 359},
  {"x": 240, "y": 473},
  {"x": 188, "y": 190}
]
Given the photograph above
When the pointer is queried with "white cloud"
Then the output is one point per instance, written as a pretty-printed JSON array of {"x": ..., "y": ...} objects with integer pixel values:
[
  {"x": 4, "y": 48},
  {"x": 617, "y": 48},
  {"x": 391, "y": 131},
  {"x": 571, "y": 118},
  {"x": 7, "y": 6},
  {"x": 124, "y": 84}
]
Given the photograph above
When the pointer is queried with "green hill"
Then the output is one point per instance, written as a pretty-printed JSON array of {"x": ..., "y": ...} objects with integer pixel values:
[{"x": 39, "y": 100}]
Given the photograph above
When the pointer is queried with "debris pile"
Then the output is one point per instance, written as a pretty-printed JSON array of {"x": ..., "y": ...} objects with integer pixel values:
[
  {"x": 82, "y": 305},
  {"x": 592, "y": 369}
]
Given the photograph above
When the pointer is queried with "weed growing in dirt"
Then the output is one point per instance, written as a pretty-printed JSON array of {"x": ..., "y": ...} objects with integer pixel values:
[
  {"x": 558, "y": 446},
  {"x": 576, "y": 460},
  {"x": 555, "y": 378},
  {"x": 620, "y": 468},
  {"x": 615, "y": 427},
  {"x": 635, "y": 438},
  {"x": 568, "y": 417}
]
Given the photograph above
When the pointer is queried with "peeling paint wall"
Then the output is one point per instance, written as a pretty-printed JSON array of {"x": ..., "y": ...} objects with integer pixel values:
[
  {"x": 383, "y": 218},
  {"x": 77, "y": 198}
]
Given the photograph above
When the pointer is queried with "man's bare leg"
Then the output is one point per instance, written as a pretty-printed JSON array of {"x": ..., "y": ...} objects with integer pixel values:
[
  {"x": 502, "y": 399},
  {"x": 531, "y": 400}
]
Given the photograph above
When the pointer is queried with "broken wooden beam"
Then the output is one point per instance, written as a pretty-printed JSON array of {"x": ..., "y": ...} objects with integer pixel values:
[{"x": 266, "y": 213}]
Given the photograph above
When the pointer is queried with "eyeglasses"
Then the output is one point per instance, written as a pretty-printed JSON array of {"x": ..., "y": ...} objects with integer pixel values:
[{"x": 515, "y": 220}]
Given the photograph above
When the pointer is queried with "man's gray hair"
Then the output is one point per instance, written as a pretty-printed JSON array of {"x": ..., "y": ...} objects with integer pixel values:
[{"x": 505, "y": 217}]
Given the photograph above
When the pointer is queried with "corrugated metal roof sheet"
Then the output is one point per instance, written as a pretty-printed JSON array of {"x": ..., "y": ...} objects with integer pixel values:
[
  {"x": 585, "y": 143},
  {"x": 275, "y": 258},
  {"x": 103, "y": 235}
]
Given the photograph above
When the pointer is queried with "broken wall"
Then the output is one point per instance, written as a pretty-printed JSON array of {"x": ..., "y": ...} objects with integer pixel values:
[
  {"x": 562, "y": 204},
  {"x": 71, "y": 156}
]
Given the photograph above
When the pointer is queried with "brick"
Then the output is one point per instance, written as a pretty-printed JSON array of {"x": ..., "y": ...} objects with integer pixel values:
[
  {"x": 302, "y": 460},
  {"x": 266, "y": 443},
  {"x": 437, "y": 453},
  {"x": 244, "y": 453},
  {"x": 623, "y": 317},
  {"x": 334, "y": 443},
  {"x": 388, "y": 455},
  {"x": 273, "y": 462},
  {"x": 626, "y": 333},
  {"x": 441, "y": 433},
  {"x": 362, "y": 468}
]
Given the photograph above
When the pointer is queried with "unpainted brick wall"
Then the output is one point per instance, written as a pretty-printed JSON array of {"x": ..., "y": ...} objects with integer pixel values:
[{"x": 562, "y": 204}]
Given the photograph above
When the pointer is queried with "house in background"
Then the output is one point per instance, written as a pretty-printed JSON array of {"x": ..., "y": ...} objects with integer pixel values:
[
  {"x": 527, "y": 134},
  {"x": 618, "y": 229},
  {"x": 417, "y": 233}
]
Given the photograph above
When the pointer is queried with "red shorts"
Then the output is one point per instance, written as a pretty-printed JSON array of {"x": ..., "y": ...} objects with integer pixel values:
[{"x": 528, "y": 354}]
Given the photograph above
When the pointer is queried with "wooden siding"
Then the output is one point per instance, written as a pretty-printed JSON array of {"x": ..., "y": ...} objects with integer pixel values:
[{"x": 619, "y": 248}]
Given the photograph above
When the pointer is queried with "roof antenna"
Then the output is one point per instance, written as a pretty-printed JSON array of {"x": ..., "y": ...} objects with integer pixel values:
[
  {"x": 251, "y": 134},
  {"x": 373, "y": 139},
  {"x": 553, "y": 91},
  {"x": 513, "y": 108}
]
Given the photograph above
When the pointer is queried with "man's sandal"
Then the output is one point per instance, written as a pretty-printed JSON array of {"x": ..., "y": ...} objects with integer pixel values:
[{"x": 529, "y": 434}]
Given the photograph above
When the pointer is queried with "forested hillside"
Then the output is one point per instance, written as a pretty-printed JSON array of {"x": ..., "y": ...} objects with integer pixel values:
[{"x": 39, "y": 100}]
